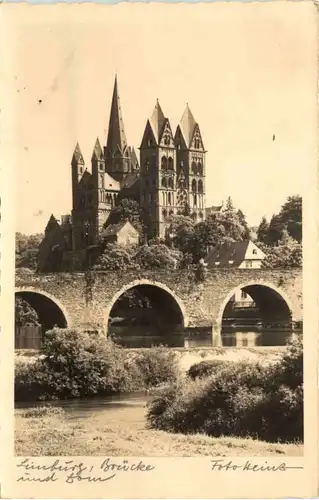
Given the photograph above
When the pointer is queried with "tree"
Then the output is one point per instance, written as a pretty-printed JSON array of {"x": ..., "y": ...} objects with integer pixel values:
[
  {"x": 157, "y": 257},
  {"x": 262, "y": 231},
  {"x": 26, "y": 252},
  {"x": 127, "y": 210},
  {"x": 25, "y": 315},
  {"x": 287, "y": 254},
  {"x": 289, "y": 218},
  {"x": 114, "y": 257},
  {"x": 182, "y": 228},
  {"x": 229, "y": 207},
  {"x": 225, "y": 226},
  {"x": 242, "y": 219}
]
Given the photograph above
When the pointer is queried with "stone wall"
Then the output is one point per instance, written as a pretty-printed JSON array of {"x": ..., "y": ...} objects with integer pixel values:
[{"x": 89, "y": 297}]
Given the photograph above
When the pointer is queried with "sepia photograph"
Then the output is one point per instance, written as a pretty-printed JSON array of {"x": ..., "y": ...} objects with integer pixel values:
[{"x": 161, "y": 178}]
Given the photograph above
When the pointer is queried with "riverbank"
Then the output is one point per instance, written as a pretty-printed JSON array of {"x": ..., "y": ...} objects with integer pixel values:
[
  {"x": 191, "y": 355},
  {"x": 121, "y": 430}
]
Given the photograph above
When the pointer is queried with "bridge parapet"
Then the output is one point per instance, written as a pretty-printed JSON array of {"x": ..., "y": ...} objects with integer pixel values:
[{"x": 88, "y": 297}]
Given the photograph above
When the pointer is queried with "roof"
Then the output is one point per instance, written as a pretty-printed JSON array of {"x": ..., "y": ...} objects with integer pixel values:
[
  {"x": 97, "y": 152},
  {"x": 130, "y": 180},
  {"x": 233, "y": 254},
  {"x": 110, "y": 183},
  {"x": 213, "y": 209},
  {"x": 116, "y": 135},
  {"x": 114, "y": 229},
  {"x": 157, "y": 120},
  {"x": 187, "y": 125},
  {"x": 77, "y": 154},
  {"x": 134, "y": 159}
]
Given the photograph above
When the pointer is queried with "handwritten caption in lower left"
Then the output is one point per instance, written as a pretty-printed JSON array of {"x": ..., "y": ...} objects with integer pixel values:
[{"x": 72, "y": 471}]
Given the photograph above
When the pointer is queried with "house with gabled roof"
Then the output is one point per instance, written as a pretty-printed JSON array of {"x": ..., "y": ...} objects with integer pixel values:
[
  {"x": 123, "y": 233},
  {"x": 239, "y": 255}
]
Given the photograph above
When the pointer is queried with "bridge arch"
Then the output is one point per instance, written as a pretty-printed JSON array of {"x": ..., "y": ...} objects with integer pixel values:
[
  {"x": 50, "y": 310},
  {"x": 260, "y": 291},
  {"x": 145, "y": 282}
]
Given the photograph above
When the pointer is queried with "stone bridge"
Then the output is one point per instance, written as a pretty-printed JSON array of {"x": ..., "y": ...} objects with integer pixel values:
[{"x": 81, "y": 299}]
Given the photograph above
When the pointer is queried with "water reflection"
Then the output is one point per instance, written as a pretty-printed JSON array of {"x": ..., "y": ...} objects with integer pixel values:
[{"x": 229, "y": 338}]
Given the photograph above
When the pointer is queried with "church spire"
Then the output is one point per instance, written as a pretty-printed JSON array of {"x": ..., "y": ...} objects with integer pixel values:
[
  {"x": 187, "y": 125},
  {"x": 157, "y": 119},
  {"x": 77, "y": 157},
  {"x": 116, "y": 138}
]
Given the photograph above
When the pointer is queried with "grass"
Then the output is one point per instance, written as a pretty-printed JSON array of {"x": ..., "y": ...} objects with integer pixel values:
[{"x": 123, "y": 432}]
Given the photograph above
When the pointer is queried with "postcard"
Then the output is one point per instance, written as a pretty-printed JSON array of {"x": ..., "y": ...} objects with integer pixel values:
[{"x": 159, "y": 272}]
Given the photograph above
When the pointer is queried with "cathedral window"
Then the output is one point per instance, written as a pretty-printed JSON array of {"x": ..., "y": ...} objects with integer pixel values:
[
  {"x": 164, "y": 182},
  {"x": 194, "y": 167},
  {"x": 169, "y": 198},
  {"x": 194, "y": 186},
  {"x": 164, "y": 163},
  {"x": 146, "y": 165},
  {"x": 196, "y": 143},
  {"x": 149, "y": 143},
  {"x": 200, "y": 186},
  {"x": 102, "y": 180},
  {"x": 164, "y": 213},
  {"x": 170, "y": 163},
  {"x": 81, "y": 170},
  {"x": 199, "y": 168},
  {"x": 170, "y": 183},
  {"x": 167, "y": 140},
  {"x": 195, "y": 200}
]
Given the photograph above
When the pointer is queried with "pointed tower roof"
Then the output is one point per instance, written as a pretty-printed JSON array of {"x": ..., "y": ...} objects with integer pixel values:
[
  {"x": 52, "y": 223},
  {"x": 116, "y": 134},
  {"x": 97, "y": 151},
  {"x": 77, "y": 155},
  {"x": 134, "y": 158},
  {"x": 157, "y": 120},
  {"x": 187, "y": 125}
]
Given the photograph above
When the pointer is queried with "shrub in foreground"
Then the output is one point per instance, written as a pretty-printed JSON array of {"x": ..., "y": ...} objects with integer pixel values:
[
  {"x": 239, "y": 399},
  {"x": 76, "y": 364},
  {"x": 157, "y": 366},
  {"x": 205, "y": 368}
]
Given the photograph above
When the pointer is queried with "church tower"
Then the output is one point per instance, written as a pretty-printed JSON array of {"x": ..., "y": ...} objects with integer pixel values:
[
  {"x": 190, "y": 171},
  {"x": 106, "y": 189},
  {"x": 158, "y": 173},
  {"x": 117, "y": 153}
]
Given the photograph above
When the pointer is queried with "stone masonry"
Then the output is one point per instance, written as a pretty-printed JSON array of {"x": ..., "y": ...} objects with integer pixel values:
[{"x": 87, "y": 298}]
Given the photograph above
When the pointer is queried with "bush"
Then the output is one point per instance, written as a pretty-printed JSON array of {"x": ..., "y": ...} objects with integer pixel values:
[
  {"x": 157, "y": 366},
  {"x": 114, "y": 257},
  {"x": 205, "y": 368},
  {"x": 157, "y": 256},
  {"x": 238, "y": 399},
  {"x": 76, "y": 364}
]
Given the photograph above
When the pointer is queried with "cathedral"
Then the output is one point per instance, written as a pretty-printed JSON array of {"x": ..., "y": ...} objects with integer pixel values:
[{"x": 168, "y": 180}]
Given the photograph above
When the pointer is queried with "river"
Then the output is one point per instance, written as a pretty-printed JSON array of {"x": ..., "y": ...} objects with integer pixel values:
[
  {"x": 229, "y": 338},
  {"x": 118, "y": 408}
]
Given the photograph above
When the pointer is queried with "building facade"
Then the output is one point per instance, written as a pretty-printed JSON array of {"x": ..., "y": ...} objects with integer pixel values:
[{"x": 168, "y": 180}]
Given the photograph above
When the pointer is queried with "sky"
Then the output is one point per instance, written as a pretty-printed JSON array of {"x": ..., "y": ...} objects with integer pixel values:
[{"x": 247, "y": 71}]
